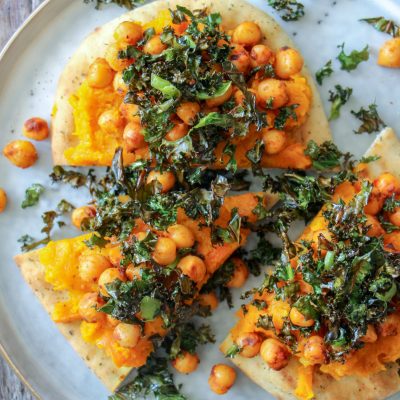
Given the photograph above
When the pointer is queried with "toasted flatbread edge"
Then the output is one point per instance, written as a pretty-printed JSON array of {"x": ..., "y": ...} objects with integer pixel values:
[
  {"x": 33, "y": 272},
  {"x": 233, "y": 11},
  {"x": 282, "y": 384}
]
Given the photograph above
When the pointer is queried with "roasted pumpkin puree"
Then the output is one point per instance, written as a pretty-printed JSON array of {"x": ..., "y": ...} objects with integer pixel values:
[
  {"x": 369, "y": 360},
  {"x": 94, "y": 146}
]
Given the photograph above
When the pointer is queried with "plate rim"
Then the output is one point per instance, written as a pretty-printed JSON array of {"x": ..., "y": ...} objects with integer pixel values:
[{"x": 3, "y": 351}]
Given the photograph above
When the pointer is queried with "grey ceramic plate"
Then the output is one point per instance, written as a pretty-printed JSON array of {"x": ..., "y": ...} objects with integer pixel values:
[{"x": 29, "y": 69}]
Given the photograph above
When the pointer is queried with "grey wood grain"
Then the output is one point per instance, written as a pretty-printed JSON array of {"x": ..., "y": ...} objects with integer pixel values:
[{"x": 12, "y": 15}]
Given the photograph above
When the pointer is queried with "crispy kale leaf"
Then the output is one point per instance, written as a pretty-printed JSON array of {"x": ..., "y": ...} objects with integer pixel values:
[
  {"x": 370, "y": 119},
  {"x": 325, "y": 156},
  {"x": 324, "y": 72},
  {"x": 382, "y": 24},
  {"x": 152, "y": 379},
  {"x": 338, "y": 99},
  {"x": 350, "y": 61},
  {"x": 129, "y": 4},
  {"x": 292, "y": 10},
  {"x": 32, "y": 195}
]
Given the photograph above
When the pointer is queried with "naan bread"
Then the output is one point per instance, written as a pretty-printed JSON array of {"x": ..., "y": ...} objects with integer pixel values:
[
  {"x": 233, "y": 12},
  {"x": 282, "y": 384}
]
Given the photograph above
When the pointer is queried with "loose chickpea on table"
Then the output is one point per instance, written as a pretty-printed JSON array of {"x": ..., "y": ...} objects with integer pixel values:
[
  {"x": 21, "y": 153},
  {"x": 389, "y": 54},
  {"x": 3, "y": 200},
  {"x": 222, "y": 378}
]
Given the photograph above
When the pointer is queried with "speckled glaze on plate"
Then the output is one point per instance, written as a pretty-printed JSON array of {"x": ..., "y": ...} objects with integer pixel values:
[{"x": 29, "y": 70}]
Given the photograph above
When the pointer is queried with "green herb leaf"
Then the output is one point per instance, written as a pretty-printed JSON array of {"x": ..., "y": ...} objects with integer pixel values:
[
  {"x": 230, "y": 150},
  {"x": 32, "y": 195},
  {"x": 370, "y": 119},
  {"x": 165, "y": 87},
  {"x": 292, "y": 9},
  {"x": 324, "y": 72},
  {"x": 74, "y": 178},
  {"x": 231, "y": 233},
  {"x": 217, "y": 92},
  {"x": 350, "y": 62},
  {"x": 96, "y": 241},
  {"x": 338, "y": 99},
  {"x": 369, "y": 159},
  {"x": 64, "y": 206},
  {"x": 382, "y": 24},
  {"x": 324, "y": 157},
  {"x": 153, "y": 379},
  {"x": 216, "y": 119},
  {"x": 149, "y": 308},
  {"x": 284, "y": 114},
  {"x": 129, "y": 4},
  {"x": 233, "y": 351}
]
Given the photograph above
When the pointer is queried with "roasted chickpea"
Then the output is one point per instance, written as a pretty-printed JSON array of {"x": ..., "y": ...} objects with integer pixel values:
[
  {"x": 164, "y": 251},
  {"x": 394, "y": 217},
  {"x": 299, "y": 319},
  {"x": 387, "y": 184},
  {"x": 166, "y": 179},
  {"x": 112, "y": 57},
  {"x": 133, "y": 272},
  {"x": 375, "y": 202},
  {"x": 288, "y": 62},
  {"x": 130, "y": 112},
  {"x": 141, "y": 235},
  {"x": 240, "y": 274},
  {"x": 100, "y": 74},
  {"x": 370, "y": 336},
  {"x": 274, "y": 140},
  {"x": 112, "y": 321},
  {"x": 109, "y": 276},
  {"x": 389, "y": 54},
  {"x": 111, "y": 121},
  {"x": 375, "y": 228},
  {"x": 177, "y": 132},
  {"x": 239, "y": 97},
  {"x": 272, "y": 92},
  {"x": 128, "y": 32},
  {"x": 249, "y": 344},
  {"x": 154, "y": 46},
  {"x": 314, "y": 350},
  {"x": 133, "y": 136},
  {"x": 219, "y": 100},
  {"x": 92, "y": 265},
  {"x": 88, "y": 305},
  {"x": 275, "y": 353},
  {"x": 260, "y": 55},
  {"x": 389, "y": 326},
  {"x": 181, "y": 235},
  {"x": 36, "y": 129},
  {"x": 208, "y": 300},
  {"x": 186, "y": 363},
  {"x": 127, "y": 335},
  {"x": 3, "y": 200},
  {"x": 193, "y": 267},
  {"x": 119, "y": 84},
  {"x": 80, "y": 214},
  {"x": 21, "y": 153},
  {"x": 188, "y": 111},
  {"x": 222, "y": 378},
  {"x": 240, "y": 58},
  {"x": 247, "y": 34}
]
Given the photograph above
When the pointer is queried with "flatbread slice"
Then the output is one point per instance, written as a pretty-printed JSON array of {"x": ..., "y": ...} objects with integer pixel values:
[
  {"x": 234, "y": 12},
  {"x": 282, "y": 384},
  {"x": 96, "y": 359}
]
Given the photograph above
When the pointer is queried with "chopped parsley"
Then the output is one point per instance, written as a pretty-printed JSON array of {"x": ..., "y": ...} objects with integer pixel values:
[
  {"x": 370, "y": 119},
  {"x": 338, "y": 98},
  {"x": 324, "y": 72},
  {"x": 382, "y": 24},
  {"x": 351, "y": 61},
  {"x": 324, "y": 157}
]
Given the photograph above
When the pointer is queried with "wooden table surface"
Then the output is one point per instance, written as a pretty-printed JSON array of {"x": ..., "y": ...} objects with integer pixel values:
[{"x": 12, "y": 15}]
